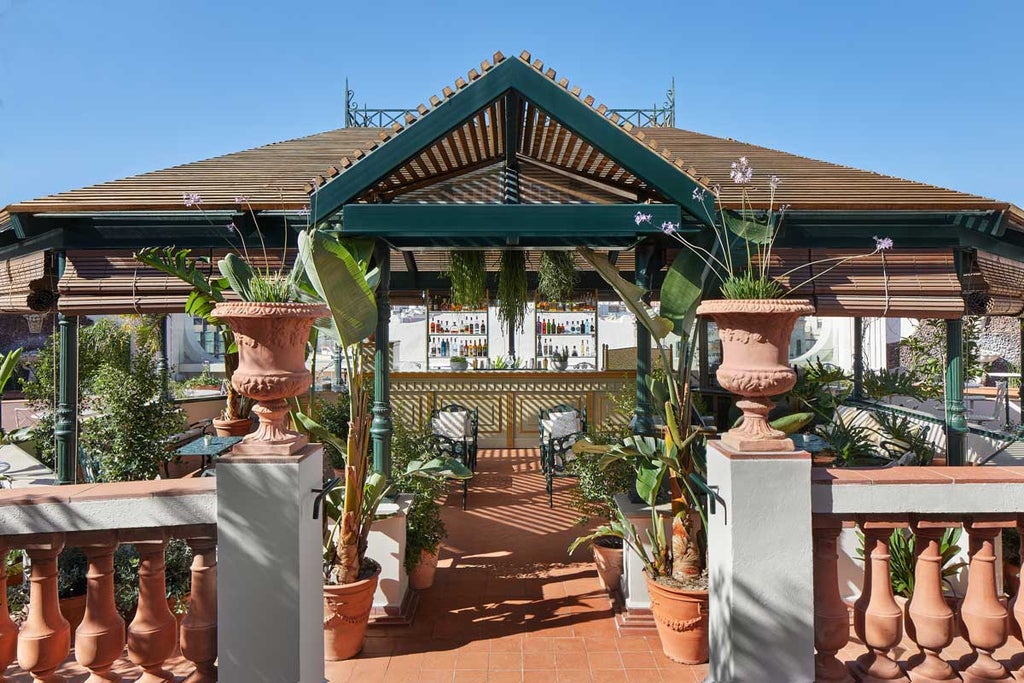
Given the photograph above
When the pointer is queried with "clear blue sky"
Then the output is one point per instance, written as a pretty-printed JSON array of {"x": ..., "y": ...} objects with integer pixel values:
[{"x": 931, "y": 90}]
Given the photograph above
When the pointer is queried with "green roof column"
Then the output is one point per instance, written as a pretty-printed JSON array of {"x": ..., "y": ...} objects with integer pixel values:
[
  {"x": 162, "y": 363},
  {"x": 66, "y": 427},
  {"x": 381, "y": 427},
  {"x": 956, "y": 422},
  {"x": 644, "y": 412},
  {"x": 858, "y": 358}
]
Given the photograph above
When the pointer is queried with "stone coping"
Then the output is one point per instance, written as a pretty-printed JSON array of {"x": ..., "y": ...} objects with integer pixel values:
[
  {"x": 918, "y": 475},
  {"x": 37, "y": 495}
]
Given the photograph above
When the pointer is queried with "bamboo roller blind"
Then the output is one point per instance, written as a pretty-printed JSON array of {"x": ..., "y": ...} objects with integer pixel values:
[{"x": 27, "y": 283}]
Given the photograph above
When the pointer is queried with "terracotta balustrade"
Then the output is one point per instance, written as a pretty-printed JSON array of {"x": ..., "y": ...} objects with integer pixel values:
[
  {"x": 877, "y": 619},
  {"x": 831, "y": 617},
  {"x": 984, "y": 501},
  {"x": 42, "y": 645}
]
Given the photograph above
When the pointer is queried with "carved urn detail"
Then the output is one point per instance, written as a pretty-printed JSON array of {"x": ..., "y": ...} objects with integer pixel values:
[
  {"x": 755, "y": 363},
  {"x": 271, "y": 339}
]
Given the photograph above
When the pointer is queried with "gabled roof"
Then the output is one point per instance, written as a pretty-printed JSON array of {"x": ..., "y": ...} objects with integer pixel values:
[
  {"x": 506, "y": 111},
  {"x": 280, "y": 176}
]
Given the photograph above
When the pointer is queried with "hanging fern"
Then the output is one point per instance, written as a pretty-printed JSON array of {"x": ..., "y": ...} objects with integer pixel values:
[
  {"x": 467, "y": 272},
  {"x": 557, "y": 276},
  {"x": 512, "y": 289}
]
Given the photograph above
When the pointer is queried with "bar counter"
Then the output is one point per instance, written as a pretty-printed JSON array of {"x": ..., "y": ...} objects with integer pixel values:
[{"x": 507, "y": 400}]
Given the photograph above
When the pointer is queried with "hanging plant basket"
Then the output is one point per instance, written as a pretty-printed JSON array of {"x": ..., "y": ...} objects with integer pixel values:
[
  {"x": 557, "y": 276},
  {"x": 467, "y": 271},
  {"x": 512, "y": 289}
]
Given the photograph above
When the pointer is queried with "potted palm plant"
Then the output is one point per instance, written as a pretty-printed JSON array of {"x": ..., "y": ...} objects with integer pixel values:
[{"x": 341, "y": 275}]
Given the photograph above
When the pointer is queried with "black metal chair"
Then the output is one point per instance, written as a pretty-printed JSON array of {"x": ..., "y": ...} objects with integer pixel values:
[
  {"x": 555, "y": 451},
  {"x": 462, "y": 448}
]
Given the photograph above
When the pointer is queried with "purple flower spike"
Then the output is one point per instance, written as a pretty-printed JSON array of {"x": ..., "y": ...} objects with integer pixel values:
[
  {"x": 775, "y": 181},
  {"x": 783, "y": 208},
  {"x": 304, "y": 211},
  {"x": 191, "y": 199},
  {"x": 232, "y": 227},
  {"x": 883, "y": 243},
  {"x": 241, "y": 199},
  {"x": 698, "y": 194},
  {"x": 642, "y": 217},
  {"x": 669, "y": 228}
]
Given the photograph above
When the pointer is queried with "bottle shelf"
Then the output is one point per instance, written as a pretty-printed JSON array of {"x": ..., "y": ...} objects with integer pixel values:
[
  {"x": 568, "y": 334},
  {"x": 479, "y": 335}
]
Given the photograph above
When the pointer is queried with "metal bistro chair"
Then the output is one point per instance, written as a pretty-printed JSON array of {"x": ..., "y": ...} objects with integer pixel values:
[
  {"x": 461, "y": 444},
  {"x": 556, "y": 447}
]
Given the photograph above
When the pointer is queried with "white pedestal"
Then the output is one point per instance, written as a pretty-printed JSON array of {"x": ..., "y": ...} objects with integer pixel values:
[
  {"x": 392, "y": 603},
  {"x": 760, "y": 567},
  {"x": 634, "y": 586},
  {"x": 269, "y": 554}
]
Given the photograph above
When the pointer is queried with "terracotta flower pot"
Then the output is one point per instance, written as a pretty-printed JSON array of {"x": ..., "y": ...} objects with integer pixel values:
[
  {"x": 609, "y": 565},
  {"x": 755, "y": 363},
  {"x": 271, "y": 340},
  {"x": 73, "y": 609},
  {"x": 232, "y": 427},
  {"x": 681, "y": 617},
  {"x": 346, "y": 614},
  {"x": 422, "y": 576}
]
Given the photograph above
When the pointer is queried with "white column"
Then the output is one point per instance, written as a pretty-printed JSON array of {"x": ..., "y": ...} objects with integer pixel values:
[
  {"x": 760, "y": 567},
  {"x": 634, "y": 586},
  {"x": 270, "y": 593},
  {"x": 386, "y": 545}
]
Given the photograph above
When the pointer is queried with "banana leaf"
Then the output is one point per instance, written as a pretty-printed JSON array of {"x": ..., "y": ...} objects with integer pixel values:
[
  {"x": 683, "y": 289},
  {"x": 749, "y": 229},
  {"x": 340, "y": 275},
  {"x": 239, "y": 275},
  {"x": 8, "y": 365}
]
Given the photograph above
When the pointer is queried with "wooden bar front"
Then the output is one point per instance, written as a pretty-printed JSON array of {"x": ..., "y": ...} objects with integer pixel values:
[{"x": 507, "y": 400}]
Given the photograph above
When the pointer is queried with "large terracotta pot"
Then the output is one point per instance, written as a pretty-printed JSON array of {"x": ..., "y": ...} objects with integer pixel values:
[
  {"x": 232, "y": 427},
  {"x": 346, "y": 614},
  {"x": 73, "y": 609},
  {"x": 755, "y": 363},
  {"x": 422, "y": 575},
  {"x": 681, "y": 617},
  {"x": 271, "y": 340},
  {"x": 609, "y": 565}
]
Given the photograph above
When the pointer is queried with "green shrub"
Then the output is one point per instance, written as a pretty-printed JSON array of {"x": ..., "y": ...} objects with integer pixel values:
[
  {"x": 593, "y": 496},
  {"x": 425, "y": 528},
  {"x": 333, "y": 416}
]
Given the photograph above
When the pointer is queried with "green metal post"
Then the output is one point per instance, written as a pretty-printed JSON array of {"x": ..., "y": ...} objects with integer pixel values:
[
  {"x": 338, "y": 357},
  {"x": 858, "y": 358},
  {"x": 644, "y": 412},
  {"x": 956, "y": 421},
  {"x": 162, "y": 363},
  {"x": 381, "y": 427},
  {"x": 65, "y": 428}
]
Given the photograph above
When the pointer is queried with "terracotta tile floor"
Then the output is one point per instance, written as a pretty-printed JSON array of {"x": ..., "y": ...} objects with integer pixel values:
[{"x": 508, "y": 603}]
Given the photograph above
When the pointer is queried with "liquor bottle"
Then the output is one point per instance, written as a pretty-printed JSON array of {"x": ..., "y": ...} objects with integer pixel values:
[
  {"x": 575, "y": 353},
  {"x": 483, "y": 327}
]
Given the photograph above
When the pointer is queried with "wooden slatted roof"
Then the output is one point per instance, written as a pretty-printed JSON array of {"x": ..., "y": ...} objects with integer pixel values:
[{"x": 274, "y": 177}]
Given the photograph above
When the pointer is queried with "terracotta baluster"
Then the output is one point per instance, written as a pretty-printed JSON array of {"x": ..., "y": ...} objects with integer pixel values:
[
  {"x": 8, "y": 629},
  {"x": 45, "y": 638},
  {"x": 831, "y": 617},
  {"x": 931, "y": 624},
  {"x": 984, "y": 618},
  {"x": 152, "y": 634},
  {"x": 99, "y": 639},
  {"x": 877, "y": 618},
  {"x": 199, "y": 628},
  {"x": 1016, "y": 605}
]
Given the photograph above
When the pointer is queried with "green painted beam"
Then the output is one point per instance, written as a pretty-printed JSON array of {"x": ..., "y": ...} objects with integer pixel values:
[
  {"x": 512, "y": 74},
  {"x": 576, "y": 223}
]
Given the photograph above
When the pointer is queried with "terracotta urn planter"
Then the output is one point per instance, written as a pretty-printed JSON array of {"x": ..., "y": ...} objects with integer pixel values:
[
  {"x": 681, "y": 617},
  {"x": 73, "y": 609},
  {"x": 422, "y": 576},
  {"x": 271, "y": 340},
  {"x": 232, "y": 427},
  {"x": 608, "y": 558},
  {"x": 346, "y": 615},
  {"x": 755, "y": 363}
]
